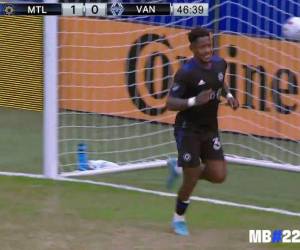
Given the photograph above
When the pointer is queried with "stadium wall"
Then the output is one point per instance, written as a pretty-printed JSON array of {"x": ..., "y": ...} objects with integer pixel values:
[
  {"x": 21, "y": 82},
  {"x": 21, "y": 53}
]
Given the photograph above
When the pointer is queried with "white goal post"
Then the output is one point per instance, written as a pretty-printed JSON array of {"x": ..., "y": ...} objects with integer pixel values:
[
  {"x": 50, "y": 119},
  {"x": 87, "y": 106}
]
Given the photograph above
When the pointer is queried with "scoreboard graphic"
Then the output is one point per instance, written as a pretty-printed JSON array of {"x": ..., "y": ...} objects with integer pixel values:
[{"x": 104, "y": 9}]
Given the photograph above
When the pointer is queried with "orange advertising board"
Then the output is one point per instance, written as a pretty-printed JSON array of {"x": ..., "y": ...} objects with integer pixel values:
[
  {"x": 265, "y": 73},
  {"x": 125, "y": 69},
  {"x": 118, "y": 68}
]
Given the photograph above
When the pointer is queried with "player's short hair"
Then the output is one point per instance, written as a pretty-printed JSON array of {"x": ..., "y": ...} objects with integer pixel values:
[{"x": 197, "y": 32}]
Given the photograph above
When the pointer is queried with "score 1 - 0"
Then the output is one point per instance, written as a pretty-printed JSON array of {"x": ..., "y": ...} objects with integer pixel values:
[{"x": 87, "y": 9}]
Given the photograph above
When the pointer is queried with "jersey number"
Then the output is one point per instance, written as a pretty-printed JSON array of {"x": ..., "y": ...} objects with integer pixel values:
[{"x": 216, "y": 143}]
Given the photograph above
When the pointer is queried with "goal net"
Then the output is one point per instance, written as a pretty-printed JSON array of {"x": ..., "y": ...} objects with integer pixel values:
[{"x": 114, "y": 76}]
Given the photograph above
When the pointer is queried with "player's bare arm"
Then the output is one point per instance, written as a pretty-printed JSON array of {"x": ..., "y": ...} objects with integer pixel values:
[{"x": 231, "y": 100}]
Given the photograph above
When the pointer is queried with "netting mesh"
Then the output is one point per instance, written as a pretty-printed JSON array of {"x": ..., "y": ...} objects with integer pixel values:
[{"x": 115, "y": 74}]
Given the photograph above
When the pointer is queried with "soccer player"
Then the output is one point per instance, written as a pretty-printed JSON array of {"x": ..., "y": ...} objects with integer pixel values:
[{"x": 195, "y": 93}]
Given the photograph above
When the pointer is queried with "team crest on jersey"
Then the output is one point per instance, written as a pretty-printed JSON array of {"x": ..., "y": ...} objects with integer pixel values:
[
  {"x": 187, "y": 157},
  {"x": 220, "y": 76}
]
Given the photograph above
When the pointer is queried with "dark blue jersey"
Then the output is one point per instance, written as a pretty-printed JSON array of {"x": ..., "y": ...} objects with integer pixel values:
[{"x": 189, "y": 81}]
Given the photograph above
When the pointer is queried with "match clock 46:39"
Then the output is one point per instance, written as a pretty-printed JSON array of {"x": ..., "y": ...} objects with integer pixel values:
[{"x": 190, "y": 9}]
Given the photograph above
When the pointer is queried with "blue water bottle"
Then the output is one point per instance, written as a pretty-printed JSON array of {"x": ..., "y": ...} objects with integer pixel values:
[{"x": 82, "y": 158}]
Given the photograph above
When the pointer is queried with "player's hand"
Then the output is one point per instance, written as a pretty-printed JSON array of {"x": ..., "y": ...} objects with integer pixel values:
[
  {"x": 233, "y": 103},
  {"x": 204, "y": 97}
]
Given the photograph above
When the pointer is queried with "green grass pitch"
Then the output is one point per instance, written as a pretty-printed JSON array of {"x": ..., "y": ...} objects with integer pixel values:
[{"x": 45, "y": 214}]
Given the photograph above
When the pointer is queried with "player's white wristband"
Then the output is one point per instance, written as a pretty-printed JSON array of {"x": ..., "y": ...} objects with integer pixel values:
[
  {"x": 229, "y": 95},
  {"x": 191, "y": 101}
]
